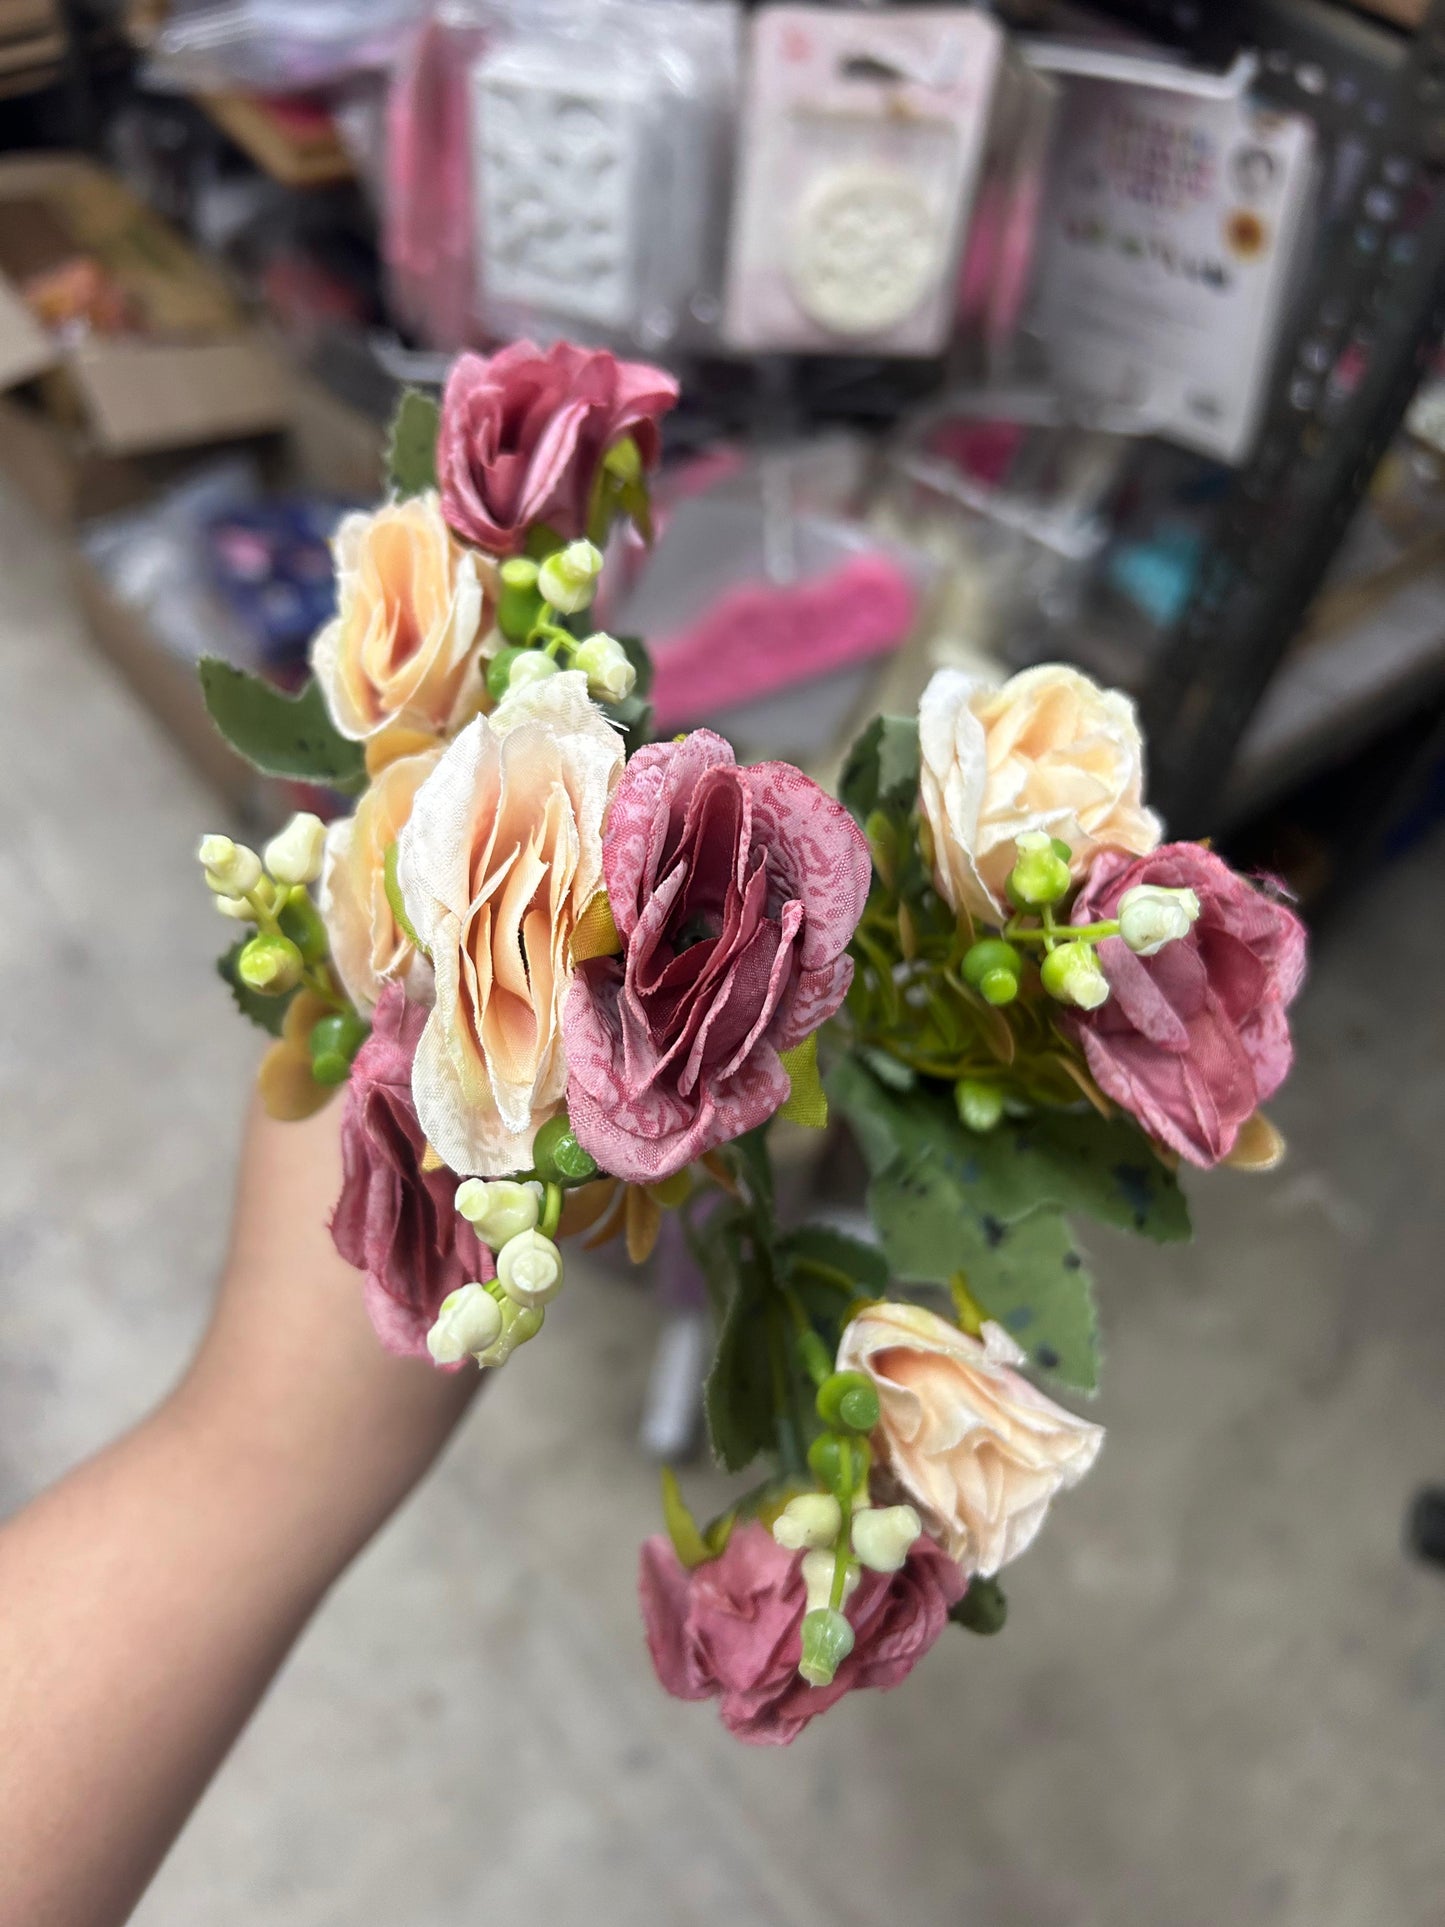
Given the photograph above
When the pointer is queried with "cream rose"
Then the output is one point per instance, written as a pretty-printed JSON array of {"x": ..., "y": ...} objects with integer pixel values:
[
  {"x": 1050, "y": 751},
  {"x": 413, "y": 609},
  {"x": 502, "y": 852},
  {"x": 977, "y": 1449},
  {"x": 368, "y": 946}
]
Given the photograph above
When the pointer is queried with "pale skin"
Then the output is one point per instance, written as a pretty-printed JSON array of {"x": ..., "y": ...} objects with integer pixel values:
[{"x": 147, "y": 1600}]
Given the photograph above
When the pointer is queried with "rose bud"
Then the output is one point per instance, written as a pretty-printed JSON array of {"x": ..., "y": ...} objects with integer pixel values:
[
  {"x": 812, "y": 1520},
  {"x": 1072, "y": 974},
  {"x": 499, "y": 1209},
  {"x": 529, "y": 1269},
  {"x": 294, "y": 855},
  {"x": 469, "y": 1321},
  {"x": 568, "y": 579},
  {"x": 1152, "y": 915},
  {"x": 607, "y": 667}
]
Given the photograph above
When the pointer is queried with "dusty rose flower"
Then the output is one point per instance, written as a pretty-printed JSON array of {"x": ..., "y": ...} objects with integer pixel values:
[
  {"x": 1194, "y": 1038},
  {"x": 735, "y": 892},
  {"x": 501, "y": 854},
  {"x": 977, "y": 1449},
  {"x": 1049, "y": 751},
  {"x": 524, "y": 431},
  {"x": 731, "y": 1629},
  {"x": 368, "y": 945},
  {"x": 413, "y": 607},
  {"x": 394, "y": 1222}
]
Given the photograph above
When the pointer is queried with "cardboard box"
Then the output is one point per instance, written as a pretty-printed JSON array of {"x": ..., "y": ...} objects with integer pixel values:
[
  {"x": 326, "y": 446},
  {"x": 91, "y": 425}
]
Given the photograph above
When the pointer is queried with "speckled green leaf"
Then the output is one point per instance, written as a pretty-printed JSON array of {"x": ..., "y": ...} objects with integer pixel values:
[
  {"x": 1077, "y": 1161},
  {"x": 1027, "y": 1274}
]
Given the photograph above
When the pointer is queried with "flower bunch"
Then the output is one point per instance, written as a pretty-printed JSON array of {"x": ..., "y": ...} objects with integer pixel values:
[{"x": 570, "y": 978}]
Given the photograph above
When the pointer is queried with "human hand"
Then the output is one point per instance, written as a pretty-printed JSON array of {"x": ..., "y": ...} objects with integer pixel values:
[{"x": 291, "y": 1383}]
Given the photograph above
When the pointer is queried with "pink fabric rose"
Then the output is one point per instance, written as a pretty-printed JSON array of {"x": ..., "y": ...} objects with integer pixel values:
[
  {"x": 735, "y": 892},
  {"x": 731, "y": 1630},
  {"x": 523, "y": 432},
  {"x": 393, "y": 1221},
  {"x": 1194, "y": 1038}
]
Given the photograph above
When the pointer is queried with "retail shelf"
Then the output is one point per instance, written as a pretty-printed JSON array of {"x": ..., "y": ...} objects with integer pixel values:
[{"x": 1331, "y": 695}]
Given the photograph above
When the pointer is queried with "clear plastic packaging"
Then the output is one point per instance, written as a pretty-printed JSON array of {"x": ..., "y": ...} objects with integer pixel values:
[
  {"x": 1010, "y": 498},
  {"x": 276, "y": 46},
  {"x": 1177, "y": 222},
  {"x": 862, "y": 141},
  {"x": 560, "y": 168}
]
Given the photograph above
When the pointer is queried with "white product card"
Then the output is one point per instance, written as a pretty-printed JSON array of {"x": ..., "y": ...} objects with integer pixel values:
[
  {"x": 557, "y": 158},
  {"x": 861, "y": 139},
  {"x": 1173, "y": 230}
]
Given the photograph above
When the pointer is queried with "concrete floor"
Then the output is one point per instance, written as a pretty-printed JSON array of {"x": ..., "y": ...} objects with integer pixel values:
[{"x": 1221, "y": 1696}]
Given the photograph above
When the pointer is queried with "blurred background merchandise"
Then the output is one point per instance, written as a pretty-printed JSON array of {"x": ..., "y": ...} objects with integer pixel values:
[
  {"x": 1106, "y": 332},
  {"x": 1006, "y": 332}
]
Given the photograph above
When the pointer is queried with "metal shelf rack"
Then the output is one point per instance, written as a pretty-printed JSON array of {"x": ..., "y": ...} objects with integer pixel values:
[{"x": 1370, "y": 321}]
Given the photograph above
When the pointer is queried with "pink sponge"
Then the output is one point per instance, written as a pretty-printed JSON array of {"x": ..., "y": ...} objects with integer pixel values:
[{"x": 763, "y": 636}]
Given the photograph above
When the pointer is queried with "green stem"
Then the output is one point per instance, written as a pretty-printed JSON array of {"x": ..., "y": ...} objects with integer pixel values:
[
  {"x": 841, "y": 1556},
  {"x": 1054, "y": 932},
  {"x": 551, "y": 1211}
]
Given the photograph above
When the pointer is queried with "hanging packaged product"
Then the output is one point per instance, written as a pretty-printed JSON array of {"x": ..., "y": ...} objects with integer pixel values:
[
  {"x": 861, "y": 144},
  {"x": 1176, "y": 224},
  {"x": 599, "y": 140}
]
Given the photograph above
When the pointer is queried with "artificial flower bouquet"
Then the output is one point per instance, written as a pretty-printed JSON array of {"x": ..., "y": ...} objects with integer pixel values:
[{"x": 570, "y": 977}]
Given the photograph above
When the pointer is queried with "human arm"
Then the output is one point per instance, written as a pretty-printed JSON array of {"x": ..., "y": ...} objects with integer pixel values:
[{"x": 147, "y": 1600}]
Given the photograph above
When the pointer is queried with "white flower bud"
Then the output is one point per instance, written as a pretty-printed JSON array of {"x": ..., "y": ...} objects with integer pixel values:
[
  {"x": 568, "y": 579},
  {"x": 237, "y": 908},
  {"x": 469, "y": 1321},
  {"x": 1072, "y": 974},
  {"x": 231, "y": 868},
  {"x": 812, "y": 1519},
  {"x": 294, "y": 855},
  {"x": 529, "y": 1269},
  {"x": 499, "y": 1209},
  {"x": 1151, "y": 915},
  {"x": 817, "y": 1570},
  {"x": 607, "y": 667},
  {"x": 533, "y": 665},
  {"x": 883, "y": 1535}
]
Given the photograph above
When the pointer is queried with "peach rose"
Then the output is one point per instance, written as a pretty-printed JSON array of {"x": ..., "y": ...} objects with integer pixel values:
[
  {"x": 368, "y": 945},
  {"x": 1050, "y": 751},
  {"x": 977, "y": 1449},
  {"x": 502, "y": 853},
  {"x": 412, "y": 611}
]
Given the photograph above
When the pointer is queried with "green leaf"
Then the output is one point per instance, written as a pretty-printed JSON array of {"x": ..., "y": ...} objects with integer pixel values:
[
  {"x": 633, "y": 715},
  {"x": 1078, "y": 1161},
  {"x": 738, "y": 1397},
  {"x": 947, "y": 1200},
  {"x": 982, "y": 1609},
  {"x": 881, "y": 770},
  {"x": 411, "y": 453},
  {"x": 267, "y": 1012},
  {"x": 754, "y": 1165},
  {"x": 280, "y": 735},
  {"x": 1027, "y": 1275},
  {"x": 828, "y": 1255},
  {"x": 640, "y": 656}
]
